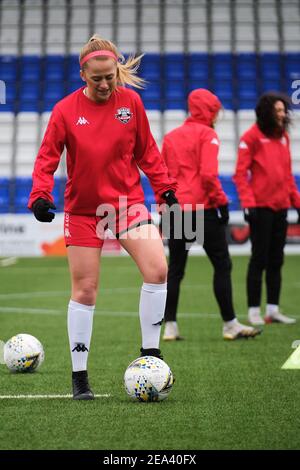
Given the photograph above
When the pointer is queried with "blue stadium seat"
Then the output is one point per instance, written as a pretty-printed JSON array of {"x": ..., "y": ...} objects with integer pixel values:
[
  {"x": 58, "y": 193},
  {"x": 175, "y": 68},
  {"x": 30, "y": 68},
  {"x": 53, "y": 92},
  {"x": 198, "y": 67},
  {"x": 247, "y": 94},
  {"x": 4, "y": 195},
  {"x": 73, "y": 85},
  {"x": 222, "y": 66},
  {"x": 9, "y": 106},
  {"x": 174, "y": 65},
  {"x": 175, "y": 90},
  {"x": 292, "y": 65},
  {"x": 29, "y": 91},
  {"x": 231, "y": 192},
  {"x": 11, "y": 91},
  {"x": 73, "y": 68},
  {"x": 174, "y": 104},
  {"x": 149, "y": 195},
  {"x": 56, "y": 189},
  {"x": 223, "y": 89},
  {"x": 194, "y": 84},
  {"x": 8, "y": 74},
  {"x": 22, "y": 190},
  {"x": 151, "y": 92},
  {"x": 292, "y": 73},
  {"x": 8, "y": 68},
  {"x": 10, "y": 97},
  {"x": 28, "y": 106},
  {"x": 152, "y": 105},
  {"x": 29, "y": 96},
  {"x": 175, "y": 95},
  {"x": 272, "y": 85},
  {"x": 150, "y": 67},
  {"x": 246, "y": 66},
  {"x": 270, "y": 67},
  {"x": 54, "y": 68}
]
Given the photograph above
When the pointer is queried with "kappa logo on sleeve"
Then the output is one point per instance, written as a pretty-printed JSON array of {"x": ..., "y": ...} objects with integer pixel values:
[
  {"x": 243, "y": 145},
  {"x": 283, "y": 140},
  {"x": 123, "y": 115}
]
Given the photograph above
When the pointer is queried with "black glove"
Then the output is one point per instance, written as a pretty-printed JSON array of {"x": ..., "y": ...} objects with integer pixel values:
[
  {"x": 250, "y": 214},
  {"x": 40, "y": 209},
  {"x": 223, "y": 214},
  {"x": 298, "y": 222},
  {"x": 170, "y": 198}
]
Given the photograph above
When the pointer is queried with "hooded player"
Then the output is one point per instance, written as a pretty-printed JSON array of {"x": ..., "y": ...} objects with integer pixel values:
[{"x": 191, "y": 154}]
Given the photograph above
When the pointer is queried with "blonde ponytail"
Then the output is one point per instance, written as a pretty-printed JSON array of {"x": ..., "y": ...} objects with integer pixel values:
[{"x": 127, "y": 70}]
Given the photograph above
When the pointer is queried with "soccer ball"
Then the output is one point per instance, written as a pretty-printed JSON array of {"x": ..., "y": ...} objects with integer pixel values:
[
  {"x": 148, "y": 379},
  {"x": 23, "y": 353}
]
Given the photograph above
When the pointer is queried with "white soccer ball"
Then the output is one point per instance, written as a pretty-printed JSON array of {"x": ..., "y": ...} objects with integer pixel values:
[
  {"x": 23, "y": 353},
  {"x": 148, "y": 379}
]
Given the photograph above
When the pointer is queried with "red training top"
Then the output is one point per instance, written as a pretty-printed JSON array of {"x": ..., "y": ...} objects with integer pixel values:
[
  {"x": 106, "y": 145},
  {"x": 191, "y": 154},
  {"x": 263, "y": 173}
]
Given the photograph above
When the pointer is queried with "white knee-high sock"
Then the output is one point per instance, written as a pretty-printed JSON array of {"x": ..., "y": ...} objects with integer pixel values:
[
  {"x": 271, "y": 309},
  {"x": 152, "y": 310},
  {"x": 80, "y": 325}
]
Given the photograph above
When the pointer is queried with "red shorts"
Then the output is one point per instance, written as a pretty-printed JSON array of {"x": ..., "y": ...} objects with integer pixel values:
[{"x": 85, "y": 230}]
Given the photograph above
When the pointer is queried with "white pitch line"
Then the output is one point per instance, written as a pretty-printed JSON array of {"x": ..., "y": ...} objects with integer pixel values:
[
  {"x": 102, "y": 291},
  {"x": 29, "y": 295},
  {"x": 38, "y": 397},
  {"x": 36, "y": 311},
  {"x": 8, "y": 261},
  {"x": 108, "y": 313}
]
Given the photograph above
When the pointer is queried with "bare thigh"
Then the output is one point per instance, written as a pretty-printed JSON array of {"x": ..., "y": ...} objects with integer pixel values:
[{"x": 145, "y": 246}]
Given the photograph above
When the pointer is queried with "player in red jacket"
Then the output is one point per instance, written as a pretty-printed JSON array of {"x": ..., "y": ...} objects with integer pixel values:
[
  {"x": 266, "y": 190},
  {"x": 191, "y": 154},
  {"x": 104, "y": 128}
]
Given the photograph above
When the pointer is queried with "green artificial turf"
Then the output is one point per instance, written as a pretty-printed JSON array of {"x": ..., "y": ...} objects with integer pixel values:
[{"x": 227, "y": 395}]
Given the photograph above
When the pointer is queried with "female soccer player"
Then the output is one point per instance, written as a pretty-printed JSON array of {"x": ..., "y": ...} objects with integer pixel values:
[
  {"x": 104, "y": 128},
  {"x": 266, "y": 189}
]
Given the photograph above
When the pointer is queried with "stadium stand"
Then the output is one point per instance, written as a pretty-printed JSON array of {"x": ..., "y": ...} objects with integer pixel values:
[{"x": 236, "y": 49}]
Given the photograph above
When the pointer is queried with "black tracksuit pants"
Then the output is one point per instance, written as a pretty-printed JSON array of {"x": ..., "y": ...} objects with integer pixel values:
[
  {"x": 268, "y": 235},
  {"x": 216, "y": 248}
]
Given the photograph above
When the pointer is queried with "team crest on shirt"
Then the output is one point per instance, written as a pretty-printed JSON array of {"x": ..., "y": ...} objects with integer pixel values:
[{"x": 124, "y": 115}]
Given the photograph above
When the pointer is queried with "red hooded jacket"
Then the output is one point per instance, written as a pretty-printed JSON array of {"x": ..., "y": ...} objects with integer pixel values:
[
  {"x": 263, "y": 173},
  {"x": 191, "y": 154}
]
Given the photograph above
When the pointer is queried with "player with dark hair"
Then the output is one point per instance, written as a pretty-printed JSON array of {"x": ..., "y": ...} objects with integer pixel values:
[
  {"x": 191, "y": 154},
  {"x": 266, "y": 189},
  {"x": 104, "y": 128}
]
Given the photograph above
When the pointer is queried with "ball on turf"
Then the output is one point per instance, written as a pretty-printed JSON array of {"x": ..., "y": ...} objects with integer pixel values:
[
  {"x": 23, "y": 353},
  {"x": 148, "y": 379}
]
